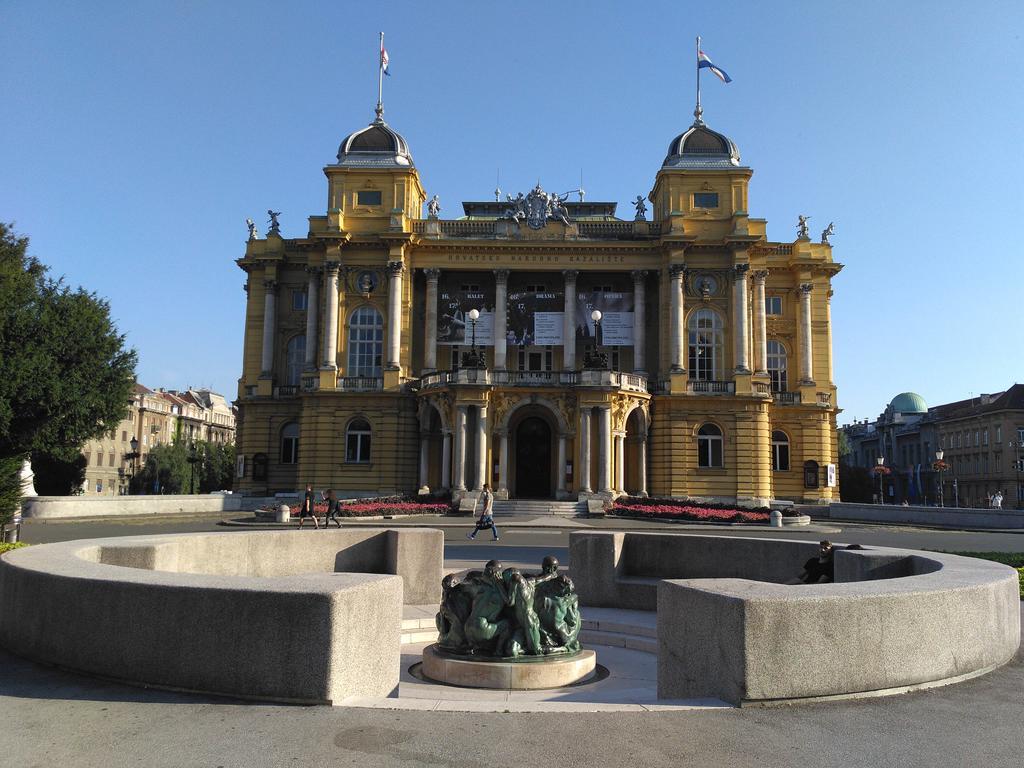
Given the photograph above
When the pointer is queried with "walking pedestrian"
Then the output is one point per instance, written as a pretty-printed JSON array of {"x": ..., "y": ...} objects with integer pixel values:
[
  {"x": 333, "y": 508},
  {"x": 486, "y": 520},
  {"x": 308, "y": 507}
]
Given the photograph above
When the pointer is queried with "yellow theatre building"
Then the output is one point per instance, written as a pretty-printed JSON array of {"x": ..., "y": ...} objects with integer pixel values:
[{"x": 678, "y": 355}]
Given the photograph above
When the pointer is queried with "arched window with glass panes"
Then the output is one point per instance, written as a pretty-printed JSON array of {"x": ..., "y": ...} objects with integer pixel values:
[
  {"x": 295, "y": 358},
  {"x": 780, "y": 451},
  {"x": 706, "y": 345},
  {"x": 777, "y": 366},
  {"x": 357, "y": 442},
  {"x": 365, "y": 342},
  {"x": 709, "y": 446},
  {"x": 290, "y": 443}
]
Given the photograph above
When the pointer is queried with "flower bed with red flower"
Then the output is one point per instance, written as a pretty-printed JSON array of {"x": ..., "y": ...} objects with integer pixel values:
[
  {"x": 374, "y": 508},
  {"x": 687, "y": 511}
]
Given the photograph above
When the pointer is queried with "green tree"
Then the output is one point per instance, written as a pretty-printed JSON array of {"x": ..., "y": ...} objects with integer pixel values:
[
  {"x": 65, "y": 374},
  {"x": 166, "y": 470},
  {"x": 218, "y": 467},
  {"x": 55, "y": 475}
]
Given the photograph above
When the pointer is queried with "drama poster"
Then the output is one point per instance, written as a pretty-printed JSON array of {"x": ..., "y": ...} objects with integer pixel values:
[
  {"x": 535, "y": 318},
  {"x": 614, "y": 298},
  {"x": 457, "y": 294}
]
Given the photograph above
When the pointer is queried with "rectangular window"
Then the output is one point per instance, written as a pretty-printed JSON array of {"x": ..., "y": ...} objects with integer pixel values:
[
  {"x": 475, "y": 287},
  {"x": 780, "y": 457},
  {"x": 367, "y": 197},
  {"x": 773, "y": 305},
  {"x": 99, "y": 486},
  {"x": 984, "y": 436},
  {"x": 999, "y": 433},
  {"x": 705, "y": 199},
  {"x": 358, "y": 448},
  {"x": 1020, "y": 435},
  {"x": 124, "y": 436},
  {"x": 289, "y": 450},
  {"x": 298, "y": 300},
  {"x": 977, "y": 438},
  {"x": 110, "y": 460}
]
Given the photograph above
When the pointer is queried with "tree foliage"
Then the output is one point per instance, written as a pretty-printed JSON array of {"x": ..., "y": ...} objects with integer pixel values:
[
  {"x": 65, "y": 374},
  {"x": 57, "y": 476},
  {"x": 167, "y": 469}
]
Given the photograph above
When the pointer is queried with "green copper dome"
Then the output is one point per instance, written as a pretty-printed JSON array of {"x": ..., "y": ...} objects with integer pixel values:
[{"x": 909, "y": 402}]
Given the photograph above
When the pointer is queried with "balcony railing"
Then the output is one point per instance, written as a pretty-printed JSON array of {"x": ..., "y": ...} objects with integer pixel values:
[
  {"x": 490, "y": 228},
  {"x": 361, "y": 383},
  {"x": 825, "y": 399},
  {"x": 631, "y": 382},
  {"x": 703, "y": 387},
  {"x": 287, "y": 390},
  {"x": 787, "y": 398},
  {"x": 310, "y": 383}
]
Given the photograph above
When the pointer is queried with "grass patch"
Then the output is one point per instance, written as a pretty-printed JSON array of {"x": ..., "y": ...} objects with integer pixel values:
[
  {"x": 1012, "y": 559},
  {"x": 7, "y": 546}
]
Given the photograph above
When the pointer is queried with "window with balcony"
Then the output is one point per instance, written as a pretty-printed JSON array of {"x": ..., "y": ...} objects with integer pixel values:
[
  {"x": 295, "y": 359},
  {"x": 709, "y": 446},
  {"x": 706, "y": 345},
  {"x": 777, "y": 366},
  {"x": 365, "y": 342}
]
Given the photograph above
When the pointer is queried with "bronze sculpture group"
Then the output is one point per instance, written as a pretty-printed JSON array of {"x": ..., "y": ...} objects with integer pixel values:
[{"x": 504, "y": 613}]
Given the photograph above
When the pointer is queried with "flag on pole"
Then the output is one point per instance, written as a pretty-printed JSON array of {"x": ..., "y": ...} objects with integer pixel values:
[
  {"x": 703, "y": 62},
  {"x": 384, "y": 58}
]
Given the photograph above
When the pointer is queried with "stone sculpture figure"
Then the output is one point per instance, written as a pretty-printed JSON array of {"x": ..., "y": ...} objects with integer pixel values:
[
  {"x": 504, "y": 613},
  {"x": 641, "y": 208},
  {"x": 801, "y": 227},
  {"x": 558, "y": 211},
  {"x": 275, "y": 225},
  {"x": 252, "y": 228},
  {"x": 434, "y": 207},
  {"x": 827, "y": 233}
]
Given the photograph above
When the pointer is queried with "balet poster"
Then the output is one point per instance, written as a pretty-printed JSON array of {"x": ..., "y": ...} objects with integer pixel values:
[
  {"x": 453, "y": 305},
  {"x": 535, "y": 318}
]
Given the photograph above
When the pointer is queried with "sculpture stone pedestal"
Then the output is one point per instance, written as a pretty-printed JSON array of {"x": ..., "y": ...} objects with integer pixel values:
[{"x": 525, "y": 675}]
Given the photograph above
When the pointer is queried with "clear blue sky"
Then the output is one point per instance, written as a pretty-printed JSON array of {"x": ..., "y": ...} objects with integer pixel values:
[{"x": 137, "y": 137}]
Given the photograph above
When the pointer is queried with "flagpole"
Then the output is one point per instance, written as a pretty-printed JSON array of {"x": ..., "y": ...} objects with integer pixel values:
[
  {"x": 380, "y": 79},
  {"x": 698, "y": 112}
]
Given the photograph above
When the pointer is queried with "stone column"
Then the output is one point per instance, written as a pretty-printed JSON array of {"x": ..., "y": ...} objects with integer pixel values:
[
  {"x": 569, "y": 323},
  {"x": 446, "y": 460},
  {"x": 620, "y": 463},
  {"x": 760, "y": 323},
  {"x": 460, "y": 447},
  {"x": 312, "y": 309},
  {"x": 395, "y": 270},
  {"x": 828, "y": 334},
  {"x": 677, "y": 321},
  {"x": 503, "y": 461},
  {"x": 604, "y": 439},
  {"x": 642, "y": 466},
  {"x": 639, "y": 321},
  {"x": 331, "y": 316},
  {"x": 482, "y": 474},
  {"x": 430, "y": 332},
  {"x": 583, "y": 471},
  {"x": 500, "y": 318},
  {"x": 806, "y": 344},
  {"x": 424, "y": 459},
  {"x": 739, "y": 316},
  {"x": 269, "y": 328},
  {"x": 560, "y": 468}
]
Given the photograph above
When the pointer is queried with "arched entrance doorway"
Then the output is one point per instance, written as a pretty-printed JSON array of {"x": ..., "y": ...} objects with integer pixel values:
[{"x": 533, "y": 459}]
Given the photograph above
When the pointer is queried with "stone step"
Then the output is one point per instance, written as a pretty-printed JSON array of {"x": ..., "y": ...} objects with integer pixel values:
[
  {"x": 619, "y": 640},
  {"x": 539, "y": 507}
]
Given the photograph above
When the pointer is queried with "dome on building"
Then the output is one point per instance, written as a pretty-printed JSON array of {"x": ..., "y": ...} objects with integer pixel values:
[
  {"x": 700, "y": 147},
  {"x": 908, "y": 402},
  {"x": 376, "y": 146}
]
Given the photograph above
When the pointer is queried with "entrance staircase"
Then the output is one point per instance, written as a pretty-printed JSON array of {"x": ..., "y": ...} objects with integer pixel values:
[{"x": 539, "y": 507}]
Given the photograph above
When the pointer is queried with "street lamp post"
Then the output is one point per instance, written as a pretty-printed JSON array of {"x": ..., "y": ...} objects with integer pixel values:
[
  {"x": 881, "y": 470},
  {"x": 474, "y": 358},
  {"x": 597, "y": 358},
  {"x": 131, "y": 458},
  {"x": 940, "y": 467},
  {"x": 193, "y": 458},
  {"x": 1016, "y": 446}
]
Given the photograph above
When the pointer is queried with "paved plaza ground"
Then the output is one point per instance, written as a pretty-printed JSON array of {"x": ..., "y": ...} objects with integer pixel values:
[{"x": 54, "y": 718}]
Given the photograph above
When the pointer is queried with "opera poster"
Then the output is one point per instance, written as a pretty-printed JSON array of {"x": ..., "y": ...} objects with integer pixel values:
[
  {"x": 535, "y": 318},
  {"x": 457, "y": 294},
  {"x": 616, "y": 305}
]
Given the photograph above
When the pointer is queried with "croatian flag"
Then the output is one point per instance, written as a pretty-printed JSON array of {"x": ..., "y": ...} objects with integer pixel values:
[
  {"x": 703, "y": 62},
  {"x": 384, "y": 59}
]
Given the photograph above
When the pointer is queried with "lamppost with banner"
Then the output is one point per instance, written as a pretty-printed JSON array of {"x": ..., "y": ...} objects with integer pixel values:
[
  {"x": 881, "y": 471},
  {"x": 940, "y": 466}
]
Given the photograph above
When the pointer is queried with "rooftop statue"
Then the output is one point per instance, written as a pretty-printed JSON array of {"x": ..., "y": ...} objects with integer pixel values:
[
  {"x": 252, "y": 228},
  {"x": 433, "y": 207},
  {"x": 502, "y": 613},
  {"x": 827, "y": 233},
  {"x": 801, "y": 227},
  {"x": 641, "y": 208},
  {"x": 275, "y": 225}
]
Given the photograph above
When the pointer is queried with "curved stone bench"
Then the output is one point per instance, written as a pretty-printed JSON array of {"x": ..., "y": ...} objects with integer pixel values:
[
  {"x": 729, "y": 628},
  {"x": 306, "y": 616}
]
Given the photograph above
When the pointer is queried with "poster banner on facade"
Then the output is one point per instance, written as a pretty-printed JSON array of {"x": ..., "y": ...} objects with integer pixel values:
[
  {"x": 535, "y": 318},
  {"x": 616, "y": 314},
  {"x": 455, "y": 298}
]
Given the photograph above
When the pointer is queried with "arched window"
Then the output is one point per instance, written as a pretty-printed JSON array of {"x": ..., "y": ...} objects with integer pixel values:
[
  {"x": 365, "y": 342},
  {"x": 709, "y": 446},
  {"x": 780, "y": 451},
  {"x": 296, "y": 359},
  {"x": 777, "y": 366},
  {"x": 290, "y": 443},
  {"x": 357, "y": 442},
  {"x": 706, "y": 344}
]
